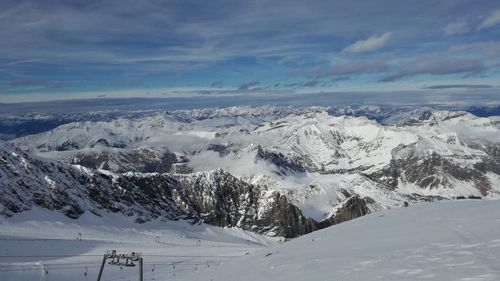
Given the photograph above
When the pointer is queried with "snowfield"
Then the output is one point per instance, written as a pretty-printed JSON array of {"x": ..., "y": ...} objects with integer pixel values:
[
  {"x": 452, "y": 240},
  {"x": 457, "y": 240},
  {"x": 43, "y": 245}
]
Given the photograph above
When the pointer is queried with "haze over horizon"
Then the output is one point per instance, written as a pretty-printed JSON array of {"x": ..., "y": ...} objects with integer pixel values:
[{"x": 59, "y": 50}]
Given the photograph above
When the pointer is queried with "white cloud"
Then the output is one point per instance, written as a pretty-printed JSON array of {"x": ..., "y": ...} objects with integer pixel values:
[
  {"x": 370, "y": 44},
  {"x": 490, "y": 21},
  {"x": 454, "y": 28}
]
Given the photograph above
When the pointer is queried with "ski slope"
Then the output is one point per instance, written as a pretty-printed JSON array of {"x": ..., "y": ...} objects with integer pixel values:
[
  {"x": 431, "y": 241},
  {"x": 43, "y": 245},
  {"x": 453, "y": 240}
]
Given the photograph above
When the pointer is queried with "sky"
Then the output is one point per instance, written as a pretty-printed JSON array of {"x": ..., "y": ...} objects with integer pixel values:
[{"x": 56, "y": 50}]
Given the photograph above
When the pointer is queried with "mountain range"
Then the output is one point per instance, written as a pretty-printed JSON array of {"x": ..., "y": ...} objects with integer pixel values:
[{"x": 280, "y": 171}]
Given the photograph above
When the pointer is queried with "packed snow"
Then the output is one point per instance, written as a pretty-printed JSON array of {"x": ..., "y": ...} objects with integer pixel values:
[
  {"x": 445, "y": 241},
  {"x": 44, "y": 245}
]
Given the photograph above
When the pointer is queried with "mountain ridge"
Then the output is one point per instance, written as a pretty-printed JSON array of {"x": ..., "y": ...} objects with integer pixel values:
[
  {"x": 214, "y": 197},
  {"x": 308, "y": 162}
]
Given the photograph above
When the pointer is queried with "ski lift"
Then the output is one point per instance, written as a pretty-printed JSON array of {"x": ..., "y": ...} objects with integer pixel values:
[
  {"x": 110, "y": 254},
  {"x": 115, "y": 260},
  {"x": 121, "y": 260},
  {"x": 129, "y": 260}
]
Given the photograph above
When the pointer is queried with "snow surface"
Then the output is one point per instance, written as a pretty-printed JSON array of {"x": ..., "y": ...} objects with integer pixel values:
[
  {"x": 447, "y": 240},
  {"x": 38, "y": 239},
  {"x": 457, "y": 240}
]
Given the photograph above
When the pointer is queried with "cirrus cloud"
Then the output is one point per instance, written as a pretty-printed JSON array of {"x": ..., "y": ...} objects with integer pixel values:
[
  {"x": 434, "y": 65},
  {"x": 490, "y": 21},
  {"x": 371, "y": 44},
  {"x": 455, "y": 28}
]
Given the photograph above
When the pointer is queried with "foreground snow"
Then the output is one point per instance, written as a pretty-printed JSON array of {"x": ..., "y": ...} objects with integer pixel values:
[
  {"x": 458, "y": 240},
  {"x": 430, "y": 241},
  {"x": 40, "y": 240}
]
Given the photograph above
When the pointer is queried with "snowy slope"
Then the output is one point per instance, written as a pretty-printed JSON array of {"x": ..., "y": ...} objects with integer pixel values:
[
  {"x": 40, "y": 240},
  {"x": 430, "y": 241}
]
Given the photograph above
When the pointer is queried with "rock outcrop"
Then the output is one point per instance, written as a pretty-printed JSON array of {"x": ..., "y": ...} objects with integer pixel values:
[{"x": 216, "y": 197}]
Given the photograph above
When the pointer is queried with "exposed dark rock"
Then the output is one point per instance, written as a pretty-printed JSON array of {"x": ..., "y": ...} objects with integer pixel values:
[
  {"x": 131, "y": 160},
  {"x": 426, "y": 115},
  {"x": 284, "y": 164},
  {"x": 67, "y": 146},
  {"x": 352, "y": 208},
  {"x": 285, "y": 219},
  {"x": 73, "y": 211},
  {"x": 101, "y": 142},
  {"x": 432, "y": 171},
  {"x": 223, "y": 150},
  {"x": 389, "y": 176},
  {"x": 488, "y": 165}
]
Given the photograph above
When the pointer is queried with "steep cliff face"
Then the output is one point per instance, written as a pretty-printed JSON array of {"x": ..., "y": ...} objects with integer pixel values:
[
  {"x": 214, "y": 197},
  {"x": 353, "y": 207},
  {"x": 285, "y": 166},
  {"x": 217, "y": 197},
  {"x": 28, "y": 181},
  {"x": 144, "y": 160},
  {"x": 282, "y": 218}
]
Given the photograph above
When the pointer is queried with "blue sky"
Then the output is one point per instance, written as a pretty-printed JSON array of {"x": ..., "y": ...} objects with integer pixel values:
[{"x": 86, "y": 49}]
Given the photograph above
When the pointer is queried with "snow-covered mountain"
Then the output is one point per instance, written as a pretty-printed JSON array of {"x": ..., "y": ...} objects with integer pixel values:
[
  {"x": 215, "y": 197},
  {"x": 244, "y": 166}
]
